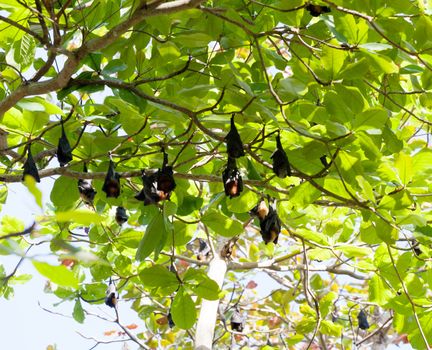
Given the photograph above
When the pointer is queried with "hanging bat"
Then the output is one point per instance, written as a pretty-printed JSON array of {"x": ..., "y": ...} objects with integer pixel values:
[
  {"x": 203, "y": 250},
  {"x": 64, "y": 150},
  {"x": 165, "y": 178},
  {"x": 270, "y": 223},
  {"x": 415, "y": 245},
  {"x": 121, "y": 217},
  {"x": 316, "y": 10},
  {"x": 111, "y": 298},
  {"x": 86, "y": 190},
  {"x": 270, "y": 227},
  {"x": 171, "y": 323},
  {"x": 157, "y": 186},
  {"x": 228, "y": 248},
  {"x": 149, "y": 194},
  {"x": 30, "y": 166},
  {"x": 111, "y": 184},
  {"x": 281, "y": 166},
  {"x": 260, "y": 210},
  {"x": 232, "y": 180},
  {"x": 362, "y": 320},
  {"x": 237, "y": 321},
  {"x": 234, "y": 142}
]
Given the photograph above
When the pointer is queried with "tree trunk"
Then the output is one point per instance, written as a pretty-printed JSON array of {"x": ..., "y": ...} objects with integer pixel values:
[{"x": 209, "y": 308}]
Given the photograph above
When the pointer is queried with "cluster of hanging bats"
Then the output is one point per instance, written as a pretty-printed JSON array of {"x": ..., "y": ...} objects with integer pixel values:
[{"x": 158, "y": 186}]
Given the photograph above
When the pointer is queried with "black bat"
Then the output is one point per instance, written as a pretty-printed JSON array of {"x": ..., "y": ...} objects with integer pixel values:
[
  {"x": 111, "y": 184},
  {"x": 64, "y": 149},
  {"x": 157, "y": 186},
  {"x": 415, "y": 245},
  {"x": 111, "y": 298},
  {"x": 316, "y": 10},
  {"x": 281, "y": 166},
  {"x": 270, "y": 227},
  {"x": 165, "y": 178},
  {"x": 270, "y": 223},
  {"x": 171, "y": 323},
  {"x": 362, "y": 320},
  {"x": 232, "y": 180},
  {"x": 30, "y": 166},
  {"x": 121, "y": 217},
  {"x": 237, "y": 321},
  {"x": 86, "y": 190},
  {"x": 234, "y": 142},
  {"x": 149, "y": 194}
]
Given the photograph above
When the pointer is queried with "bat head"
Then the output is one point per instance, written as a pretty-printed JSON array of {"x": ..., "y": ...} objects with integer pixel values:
[{"x": 261, "y": 210}]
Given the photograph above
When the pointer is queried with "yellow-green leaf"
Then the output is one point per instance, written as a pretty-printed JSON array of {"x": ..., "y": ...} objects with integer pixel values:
[
  {"x": 57, "y": 274},
  {"x": 79, "y": 216}
]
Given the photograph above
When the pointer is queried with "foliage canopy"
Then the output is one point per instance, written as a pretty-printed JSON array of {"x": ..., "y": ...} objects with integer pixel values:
[{"x": 349, "y": 92}]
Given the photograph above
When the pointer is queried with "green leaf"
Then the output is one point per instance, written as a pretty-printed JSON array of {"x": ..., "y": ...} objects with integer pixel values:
[
  {"x": 425, "y": 230},
  {"x": 65, "y": 193},
  {"x": 352, "y": 251},
  {"x": 404, "y": 165},
  {"x": 193, "y": 39},
  {"x": 353, "y": 31},
  {"x": 386, "y": 232},
  {"x": 183, "y": 310},
  {"x": 355, "y": 70},
  {"x": 114, "y": 66},
  {"x": 57, "y": 274},
  {"x": 330, "y": 328},
  {"x": 332, "y": 60},
  {"x": 24, "y": 50},
  {"x": 10, "y": 224},
  {"x": 169, "y": 51},
  {"x": 221, "y": 224},
  {"x": 379, "y": 291},
  {"x": 201, "y": 284},
  {"x": 189, "y": 204},
  {"x": 78, "y": 312},
  {"x": 304, "y": 194},
  {"x": 169, "y": 209},
  {"x": 207, "y": 289},
  {"x": 396, "y": 201},
  {"x": 243, "y": 203},
  {"x": 382, "y": 63},
  {"x": 326, "y": 303},
  {"x": 373, "y": 117},
  {"x": 129, "y": 238},
  {"x": 79, "y": 216},
  {"x": 313, "y": 236},
  {"x": 158, "y": 276},
  {"x": 153, "y": 236},
  {"x": 291, "y": 87},
  {"x": 351, "y": 93},
  {"x": 30, "y": 183}
]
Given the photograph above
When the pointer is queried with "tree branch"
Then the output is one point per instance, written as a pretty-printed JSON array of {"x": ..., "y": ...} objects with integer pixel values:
[
  {"x": 24, "y": 29},
  {"x": 209, "y": 308},
  {"x": 22, "y": 233},
  {"x": 72, "y": 63}
]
